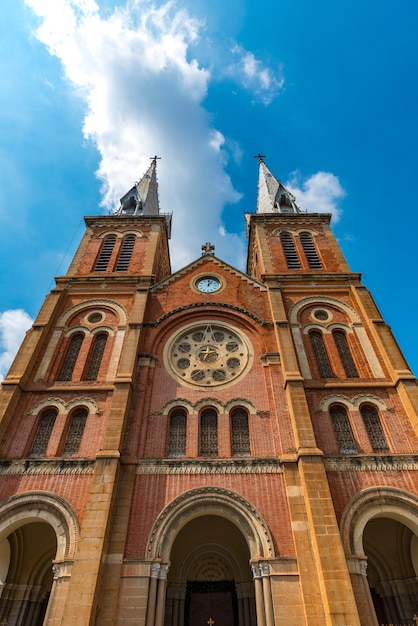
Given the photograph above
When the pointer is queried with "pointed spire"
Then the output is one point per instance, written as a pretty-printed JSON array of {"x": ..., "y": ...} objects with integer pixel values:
[
  {"x": 142, "y": 198},
  {"x": 272, "y": 196}
]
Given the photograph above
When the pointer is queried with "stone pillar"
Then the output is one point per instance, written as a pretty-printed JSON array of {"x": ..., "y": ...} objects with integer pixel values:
[
  {"x": 152, "y": 594},
  {"x": 259, "y": 595},
  {"x": 268, "y": 602},
  {"x": 161, "y": 593},
  {"x": 357, "y": 567}
]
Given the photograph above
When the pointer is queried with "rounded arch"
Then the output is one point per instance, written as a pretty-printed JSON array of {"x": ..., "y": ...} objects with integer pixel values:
[
  {"x": 42, "y": 506},
  {"x": 65, "y": 407},
  {"x": 375, "y": 502},
  {"x": 205, "y": 501},
  {"x": 101, "y": 303},
  {"x": 120, "y": 234},
  {"x": 309, "y": 301},
  {"x": 354, "y": 403}
]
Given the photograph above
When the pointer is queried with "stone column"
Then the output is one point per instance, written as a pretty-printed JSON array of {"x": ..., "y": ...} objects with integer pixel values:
[
  {"x": 357, "y": 567},
  {"x": 268, "y": 602},
  {"x": 152, "y": 594},
  {"x": 161, "y": 593},
  {"x": 259, "y": 596}
]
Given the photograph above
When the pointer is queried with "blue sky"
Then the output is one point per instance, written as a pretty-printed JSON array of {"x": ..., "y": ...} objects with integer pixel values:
[{"x": 90, "y": 90}]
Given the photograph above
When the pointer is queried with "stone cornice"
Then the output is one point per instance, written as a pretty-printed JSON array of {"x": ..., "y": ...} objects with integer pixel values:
[
  {"x": 212, "y": 466},
  {"x": 29, "y": 467},
  {"x": 197, "y": 305},
  {"x": 371, "y": 463}
]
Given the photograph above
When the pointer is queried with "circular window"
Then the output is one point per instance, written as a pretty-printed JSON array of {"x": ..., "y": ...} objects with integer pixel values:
[
  {"x": 207, "y": 355},
  {"x": 321, "y": 315},
  {"x": 95, "y": 317}
]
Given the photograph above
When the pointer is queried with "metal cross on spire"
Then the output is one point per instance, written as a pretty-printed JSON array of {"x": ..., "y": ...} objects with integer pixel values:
[
  {"x": 260, "y": 157},
  {"x": 208, "y": 248},
  {"x": 154, "y": 159}
]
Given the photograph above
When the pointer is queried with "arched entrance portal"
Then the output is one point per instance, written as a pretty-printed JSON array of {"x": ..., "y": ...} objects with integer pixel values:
[
  {"x": 210, "y": 576},
  {"x": 210, "y": 552}
]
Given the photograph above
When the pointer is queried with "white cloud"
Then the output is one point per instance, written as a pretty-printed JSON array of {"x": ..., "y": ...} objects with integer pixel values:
[
  {"x": 13, "y": 326},
  {"x": 261, "y": 80},
  {"x": 319, "y": 193}
]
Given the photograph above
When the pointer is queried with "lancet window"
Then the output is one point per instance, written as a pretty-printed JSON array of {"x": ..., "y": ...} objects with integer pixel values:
[
  {"x": 125, "y": 253},
  {"x": 177, "y": 433},
  {"x": 374, "y": 428},
  {"x": 75, "y": 432},
  {"x": 43, "y": 434},
  {"x": 70, "y": 360},
  {"x": 343, "y": 348},
  {"x": 96, "y": 356},
  {"x": 105, "y": 254},
  {"x": 209, "y": 433},
  {"x": 240, "y": 433},
  {"x": 290, "y": 252},
  {"x": 310, "y": 251},
  {"x": 321, "y": 355},
  {"x": 343, "y": 430}
]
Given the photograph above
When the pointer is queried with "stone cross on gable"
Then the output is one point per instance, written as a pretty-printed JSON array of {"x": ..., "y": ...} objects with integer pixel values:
[
  {"x": 210, "y": 621},
  {"x": 207, "y": 248},
  {"x": 415, "y": 618}
]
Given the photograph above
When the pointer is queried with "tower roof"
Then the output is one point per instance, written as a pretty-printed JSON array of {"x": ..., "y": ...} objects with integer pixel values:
[
  {"x": 142, "y": 198},
  {"x": 273, "y": 197}
]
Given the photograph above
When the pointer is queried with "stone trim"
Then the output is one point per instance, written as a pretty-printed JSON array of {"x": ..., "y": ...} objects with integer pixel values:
[
  {"x": 214, "y": 466},
  {"x": 54, "y": 466},
  {"x": 196, "y": 305},
  {"x": 371, "y": 463}
]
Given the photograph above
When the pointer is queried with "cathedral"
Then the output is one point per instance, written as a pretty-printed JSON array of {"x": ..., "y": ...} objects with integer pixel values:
[{"x": 208, "y": 446}]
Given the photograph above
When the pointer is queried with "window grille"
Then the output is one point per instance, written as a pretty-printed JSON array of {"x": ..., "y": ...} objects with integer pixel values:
[
  {"x": 374, "y": 429},
  {"x": 343, "y": 348},
  {"x": 96, "y": 355},
  {"x": 209, "y": 433},
  {"x": 240, "y": 434},
  {"x": 105, "y": 254},
  {"x": 71, "y": 357},
  {"x": 289, "y": 250},
  {"x": 125, "y": 253},
  {"x": 343, "y": 430},
  {"x": 43, "y": 434},
  {"x": 310, "y": 251},
  {"x": 177, "y": 434},
  {"x": 75, "y": 432},
  {"x": 321, "y": 356}
]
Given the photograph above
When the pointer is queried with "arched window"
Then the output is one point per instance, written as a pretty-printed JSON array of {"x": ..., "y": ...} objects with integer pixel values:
[
  {"x": 105, "y": 254},
  {"x": 75, "y": 432},
  {"x": 343, "y": 348},
  {"x": 321, "y": 355},
  {"x": 343, "y": 430},
  {"x": 240, "y": 433},
  {"x": 310, "y": 251},
  {"x": 71, "y": 356},
  {"x": 95, "y": 356},
  {"x": 177, "y": 433},
  {"x": 125, "y": 253},
  {"x": 208, "y": 433},
  {"x": 289, "y": 250},
  {"x": 374, "y": 428},
  {"x": 43, "y": 434}
]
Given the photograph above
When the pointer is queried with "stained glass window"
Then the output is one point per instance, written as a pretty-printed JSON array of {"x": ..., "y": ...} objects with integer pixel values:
[
  {"x": 374, "y": 428},
  {"x": 71, "y": 357},
  {"x": 177, "y": 434},
  {"x": 209, "y": 433},
  {"x": 310, "y": 251},
  {"x": 289, "y": 250},
  {"x": 343, "y": 430},
  {"x": 321, "y": 356},
  {"x": 125, "y": 253},
  {"x": 75, "y": 432},
  {"x": 43, "y": 434},
  {"x": 343, "y": 348},
  {"x": 95, "y": 357},
  {"x": 240, "y": 433},
  {"x": 105, "y": 254}
]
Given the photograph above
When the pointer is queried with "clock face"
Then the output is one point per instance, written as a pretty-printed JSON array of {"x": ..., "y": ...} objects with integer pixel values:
[
  {"x": 207, "y": 355},
  {"x": 208, "y": 284}
]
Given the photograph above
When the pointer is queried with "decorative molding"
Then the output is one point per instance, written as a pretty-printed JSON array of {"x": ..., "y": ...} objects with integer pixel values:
[
  {"x": 371, "y": 463},
  {"x": 352, "y": 404},
  {"x": 65, "y": 407},
  {"x": 196, "y": 305},
  {"x": 101, "y": 303},
  {"x": 62, "y": 467},
  {"x": 194, "y": 407},
  {"x": 212, "y": 466},
  {"x": 319, "y": 299}
]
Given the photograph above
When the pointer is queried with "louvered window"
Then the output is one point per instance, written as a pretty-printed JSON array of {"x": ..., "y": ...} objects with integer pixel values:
[
  {"x": 105, "y": 254},
  {"x": 310, "y": 251},
  {"x": 71, "y": 357},
  {"x": 240, "y": 433},
  {"x": 125, "y": 253},
  {"x": 208, "y": 433},
  {"x": 75, "y": 432},
  {"x": 177, "y": 434},
  {"x": 343, "y": 430},
  {"x": 343, "y": 348},
  {"x": 374, "y": 429},
  {"x": 289, "y": 250},
  {"x": 95, "y": 357},
  {"x": 321, "y": 356},
  {"x": 43, "y": 434}
]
